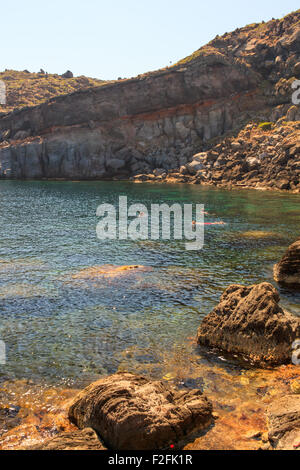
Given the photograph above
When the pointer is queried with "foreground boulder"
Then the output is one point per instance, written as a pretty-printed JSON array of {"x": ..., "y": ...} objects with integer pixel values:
[
  {"x": 131, "y": 412},
  {"x": 249, "y": 321},
  {"x": 86, "y": 439},
  {"x": 284, "y": 423},
  {"x": 287, "y": 271}
]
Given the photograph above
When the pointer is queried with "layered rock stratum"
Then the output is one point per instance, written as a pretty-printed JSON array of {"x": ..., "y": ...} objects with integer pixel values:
[
  {"x": 284, "y": 423},
  {"x": 85, "y": 439},
  {"x": 161, "y": 119},
  {"x": 131, "y": 412}
]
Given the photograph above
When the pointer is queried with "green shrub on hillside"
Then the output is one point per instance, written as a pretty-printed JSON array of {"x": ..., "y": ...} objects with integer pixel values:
[{"x": 265, "y": 126}]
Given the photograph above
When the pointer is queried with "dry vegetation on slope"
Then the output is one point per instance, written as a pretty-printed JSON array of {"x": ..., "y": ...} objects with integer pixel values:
[
  {"x": 30, "y": 89},
  {"x": 243, "y": 43}
]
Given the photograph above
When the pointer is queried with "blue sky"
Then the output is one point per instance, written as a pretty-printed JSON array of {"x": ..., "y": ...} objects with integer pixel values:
[{"x": 114, "y": 38}]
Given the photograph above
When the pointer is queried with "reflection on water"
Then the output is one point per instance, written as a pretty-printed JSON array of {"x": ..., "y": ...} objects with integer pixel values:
[
  {"x": 31, "y": 413},
  {"x": 64, "y": 327}
]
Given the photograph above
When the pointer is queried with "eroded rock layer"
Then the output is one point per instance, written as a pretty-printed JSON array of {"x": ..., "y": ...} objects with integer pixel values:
[
  {"x": 249, "y": 321},
  {"x": 85, "y": 439},
  {"x": 284, "y": 423},
  {"x": 287, "y": 271},
  {"x": 131, "y": 412}
]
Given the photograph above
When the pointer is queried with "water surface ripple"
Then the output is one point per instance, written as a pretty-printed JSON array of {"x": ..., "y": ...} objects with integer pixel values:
[{"x": 59, "y": 329}]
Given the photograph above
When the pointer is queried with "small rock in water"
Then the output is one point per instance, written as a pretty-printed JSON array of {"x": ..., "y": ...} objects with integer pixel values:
[
  {"x": 284, "y": 422},
  {"x": 86, "y": 439},
  {"x": 169, "y": 376},
  {"x": 287, "y": 271},
  {"x": 253, "y": 434},
  {"x": 222, "y": 358}
]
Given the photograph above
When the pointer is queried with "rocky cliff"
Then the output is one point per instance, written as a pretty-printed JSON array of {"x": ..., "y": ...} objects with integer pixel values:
[
  {"x": 160, "y": 119},
  {"x": 260, "y": 156}
]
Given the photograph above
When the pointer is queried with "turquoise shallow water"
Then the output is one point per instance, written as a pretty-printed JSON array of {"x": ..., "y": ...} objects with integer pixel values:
[{"x": 63, "y": 330}]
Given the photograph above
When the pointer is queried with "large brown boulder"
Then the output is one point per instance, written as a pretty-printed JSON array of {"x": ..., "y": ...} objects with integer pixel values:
[
  {"x": 283, "y": 417},
  {"x": 131, "y": 412},
  {"x": 249, "y": 321},
  {"x": 287, "y": 271}
]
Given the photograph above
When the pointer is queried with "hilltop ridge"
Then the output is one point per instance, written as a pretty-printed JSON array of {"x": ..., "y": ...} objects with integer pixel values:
[{"x": 31, "y": 89}]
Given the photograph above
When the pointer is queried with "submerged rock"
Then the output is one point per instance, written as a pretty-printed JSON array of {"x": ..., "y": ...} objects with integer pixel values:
[
  {"x": 108, "y": 271},
  {"x": 250, "y": 322},
  {"x": 287, "y": 271},
  {"x": 86, "y": 439},
  {"x": 131, "y": 412},
  {"x": 284, "y": 422},
  {"x": 259, "y": 234}
]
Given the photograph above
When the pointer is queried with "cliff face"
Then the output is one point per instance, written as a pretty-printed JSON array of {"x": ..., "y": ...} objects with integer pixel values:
[{"x": 159, "y": 119}]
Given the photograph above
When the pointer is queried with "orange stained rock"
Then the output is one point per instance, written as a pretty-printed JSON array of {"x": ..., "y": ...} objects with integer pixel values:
[
  {"x": 256, "y": 234},
  {"x": 241, "y": 422},
  {"x": 239, "y": 403},
  {"x": 42, "y": 413},
  {"x": 107, "y": 271}
]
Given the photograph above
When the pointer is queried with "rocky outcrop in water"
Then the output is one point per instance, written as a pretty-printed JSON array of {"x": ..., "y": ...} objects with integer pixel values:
[
  {"x": 284, "y": 423},
  {"x": 85, "y": 439},
  {"x": 249, "y": 321},
  {"x": 131, "y": 412},
  {"x": 161, "y": 119},
  {"x": 287, "y": 271}
]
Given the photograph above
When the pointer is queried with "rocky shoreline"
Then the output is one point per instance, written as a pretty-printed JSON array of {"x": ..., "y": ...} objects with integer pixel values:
[{"x": 261, "y": 156}]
